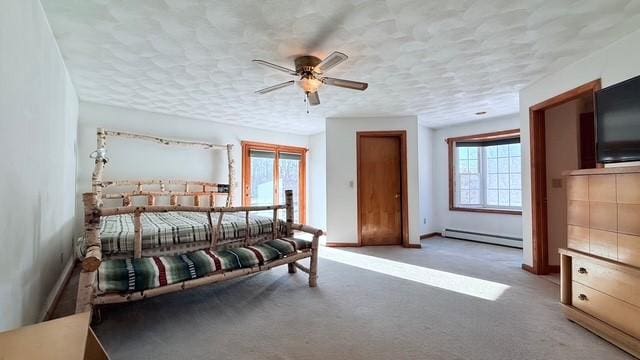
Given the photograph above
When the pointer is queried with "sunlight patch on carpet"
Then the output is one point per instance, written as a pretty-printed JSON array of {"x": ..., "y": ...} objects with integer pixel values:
[{"x": 467, "y": 285}]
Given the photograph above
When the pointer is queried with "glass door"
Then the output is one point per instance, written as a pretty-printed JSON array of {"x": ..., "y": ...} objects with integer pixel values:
[
  {"x": 262, "y": 177},
  {"x": 268, "y": 170},
  {"x": 289, "y": 176}
]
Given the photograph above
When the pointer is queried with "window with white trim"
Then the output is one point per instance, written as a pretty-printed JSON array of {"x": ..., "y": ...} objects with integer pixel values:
[{"x": 487, "y": 173}]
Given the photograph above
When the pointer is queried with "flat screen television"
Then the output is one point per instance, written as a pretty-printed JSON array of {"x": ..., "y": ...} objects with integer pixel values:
[{"x": 618, "y": 122}]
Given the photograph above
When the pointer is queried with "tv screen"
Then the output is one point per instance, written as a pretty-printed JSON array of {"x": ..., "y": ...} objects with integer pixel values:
[{"x": 618, "y": 122}]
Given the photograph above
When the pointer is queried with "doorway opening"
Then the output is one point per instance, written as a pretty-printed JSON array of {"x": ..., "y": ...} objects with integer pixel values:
[
  {"x": 382, "y": 188},
  {"x": 562, "y": 137}
]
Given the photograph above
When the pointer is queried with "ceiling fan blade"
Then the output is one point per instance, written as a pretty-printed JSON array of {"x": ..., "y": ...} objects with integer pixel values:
[
  {"x": 314, "y": 99},
  {"x": 275, "y": 87},
  {"x": 330, "y": 61},
  {"x": 354, "y": 85},
  {"x": 274, "y": 66}
]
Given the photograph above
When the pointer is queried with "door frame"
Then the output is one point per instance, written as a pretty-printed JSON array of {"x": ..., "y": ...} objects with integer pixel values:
[
  {"x": 538, "y": 163},
  {"x": 402, "y": 136},
  {"x": 247, "y": 146}
]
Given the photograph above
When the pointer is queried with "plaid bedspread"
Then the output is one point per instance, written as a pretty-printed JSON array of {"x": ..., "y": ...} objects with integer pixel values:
[
  {"x": 162, "y": 229},
  {"x": 127, "y": 275}
]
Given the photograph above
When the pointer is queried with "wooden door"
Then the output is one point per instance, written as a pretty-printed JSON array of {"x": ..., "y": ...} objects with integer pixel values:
[{"x": 380, "y": 188}]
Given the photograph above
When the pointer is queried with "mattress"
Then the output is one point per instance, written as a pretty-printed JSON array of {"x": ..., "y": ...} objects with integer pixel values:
[{"x": 170, "y": 228}]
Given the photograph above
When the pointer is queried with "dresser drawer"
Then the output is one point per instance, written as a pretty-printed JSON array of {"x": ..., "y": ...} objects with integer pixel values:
[
  {"x": 629, "y": 219},
  {"x": 602, "y": 188},
  {"x": 616, "y": 313},
  {"x": 603, "y": 216},
  {"x": 603, "y": 243},
  {"x": 578, "y": 238},
  {"x": 629, "y": 249},
  {"x": 578, "y": 213},
  {"x": 578, "y": 188},
  {"x": 619, "y": 284}
]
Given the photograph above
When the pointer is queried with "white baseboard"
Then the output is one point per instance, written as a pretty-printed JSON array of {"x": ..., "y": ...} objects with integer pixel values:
[
  {"x": 55, "y": 293},
  {"x": 484, "y": 238}
]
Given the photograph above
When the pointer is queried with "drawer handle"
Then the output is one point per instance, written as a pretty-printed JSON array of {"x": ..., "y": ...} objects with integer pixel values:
[
  {"x": 582, "y": 297},
  {"x": 582, "y": 270}
]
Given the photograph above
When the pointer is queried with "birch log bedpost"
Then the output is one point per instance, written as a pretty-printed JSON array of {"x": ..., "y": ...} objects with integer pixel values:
[
  {"x": 93, "y": 253},
  {"x": 86, "y": 294},
  {"x": 96, "y": 177},
  {"x": 216, "y": 233},
  {"x": 232, "y": 175},
  {"x": 137, "y": 235},
  {"x": 247, "y": 230},
  {"x": 93, "y": 248},
  {"x": 93, "y": 256},
  {"x": 288, "y": 196},
  {"x": 313, "y": 266},
  {"x": 275, "y": 224}
]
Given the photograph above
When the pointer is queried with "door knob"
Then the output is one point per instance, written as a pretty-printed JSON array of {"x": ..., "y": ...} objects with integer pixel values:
[{"x": 397, "y": 196}]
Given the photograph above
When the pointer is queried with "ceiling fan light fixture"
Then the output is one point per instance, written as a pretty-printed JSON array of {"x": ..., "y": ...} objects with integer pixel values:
[{"x": 310, "y": 84}]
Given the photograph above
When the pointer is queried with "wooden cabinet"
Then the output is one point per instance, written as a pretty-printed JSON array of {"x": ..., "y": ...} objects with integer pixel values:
[{"x": 600, "y": 269}]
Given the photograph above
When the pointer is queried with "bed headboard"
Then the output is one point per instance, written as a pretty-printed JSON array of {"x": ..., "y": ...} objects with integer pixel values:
[
  {"x": 195, "y": 193},
  {"x": 173, "y": 192}
]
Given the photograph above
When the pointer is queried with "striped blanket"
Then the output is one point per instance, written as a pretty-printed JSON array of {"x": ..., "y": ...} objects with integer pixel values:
[
  {"x": 169, "y": 228},
  {"x": 127, "y": 275}
]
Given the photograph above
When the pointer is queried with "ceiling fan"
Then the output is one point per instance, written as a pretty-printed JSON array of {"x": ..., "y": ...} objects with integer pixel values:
[{"x": 310, "y": 71}]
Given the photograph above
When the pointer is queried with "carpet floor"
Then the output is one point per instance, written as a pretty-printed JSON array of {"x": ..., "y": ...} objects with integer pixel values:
[{"x": 451, "y": 299}]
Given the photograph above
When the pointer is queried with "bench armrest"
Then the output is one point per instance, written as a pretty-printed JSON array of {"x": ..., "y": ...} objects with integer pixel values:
[{"x": 308, "y": 229}]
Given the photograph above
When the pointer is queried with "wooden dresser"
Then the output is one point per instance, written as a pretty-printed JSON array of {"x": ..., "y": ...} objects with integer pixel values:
[{"x": 600, "y": 268}]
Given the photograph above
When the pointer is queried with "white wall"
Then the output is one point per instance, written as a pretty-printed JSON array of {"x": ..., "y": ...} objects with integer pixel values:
[
  {"x": 135, "y": 159},
  {"x": 38, "y": 116},
  {"x": 317, "y": 182},
  {"x": 341, "y": 174},
  {"x": 614, "y": 63},
  {"x": 426, "y": 151},
  {"x": 499, "y": 224},
  {"x": 561, "y": 140}
]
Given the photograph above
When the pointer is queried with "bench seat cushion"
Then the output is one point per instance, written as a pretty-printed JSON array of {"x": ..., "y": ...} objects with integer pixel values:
[
  {"x": 289, "y": 245},
  {"x": 129, "y": 275}
]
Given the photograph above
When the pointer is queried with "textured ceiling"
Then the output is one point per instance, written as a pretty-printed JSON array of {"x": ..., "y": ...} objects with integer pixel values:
[{"x": 441, "y": 60}]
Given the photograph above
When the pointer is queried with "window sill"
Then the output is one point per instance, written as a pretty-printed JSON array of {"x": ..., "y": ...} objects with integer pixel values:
[{"x": 486, "y": 210}]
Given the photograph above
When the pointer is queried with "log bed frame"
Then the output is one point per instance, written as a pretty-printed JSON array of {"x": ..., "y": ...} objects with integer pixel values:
[{"x": 195, "y": 190}]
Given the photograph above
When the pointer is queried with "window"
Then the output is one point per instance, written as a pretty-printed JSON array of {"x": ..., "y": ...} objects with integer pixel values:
[
  {"x": 485, "y": 173},
  {"x": 268, "y": 170}
]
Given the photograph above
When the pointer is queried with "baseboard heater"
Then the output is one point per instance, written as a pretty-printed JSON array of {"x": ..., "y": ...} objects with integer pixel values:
[{"x": 484, "y": 238}]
